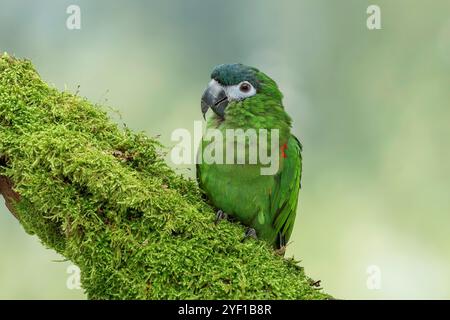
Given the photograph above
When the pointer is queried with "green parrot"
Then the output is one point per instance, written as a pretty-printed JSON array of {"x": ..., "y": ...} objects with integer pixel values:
[{"x": 243, "y": 97}]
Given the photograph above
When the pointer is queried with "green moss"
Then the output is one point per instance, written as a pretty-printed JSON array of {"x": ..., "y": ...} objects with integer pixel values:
[{"x": 104, "y": 198}]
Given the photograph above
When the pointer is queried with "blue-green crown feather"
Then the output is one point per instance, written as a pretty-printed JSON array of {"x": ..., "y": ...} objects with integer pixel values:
[{"x": 233, "y": 74}]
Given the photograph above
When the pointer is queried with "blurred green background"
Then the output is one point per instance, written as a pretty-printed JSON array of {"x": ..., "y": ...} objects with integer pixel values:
[{"x": 371, "y": 108}]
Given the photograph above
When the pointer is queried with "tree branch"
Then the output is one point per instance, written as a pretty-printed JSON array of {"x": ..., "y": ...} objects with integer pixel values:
[
  {"x": 103, "y": 197},
  {"x": 6, "y": 189}
]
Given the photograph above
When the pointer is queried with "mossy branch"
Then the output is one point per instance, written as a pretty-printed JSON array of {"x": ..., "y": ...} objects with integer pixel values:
[{"x": 103, "y": 197}]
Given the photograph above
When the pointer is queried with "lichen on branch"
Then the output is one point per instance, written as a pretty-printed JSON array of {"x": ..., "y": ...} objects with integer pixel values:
[{"x": 102, "y": 196}]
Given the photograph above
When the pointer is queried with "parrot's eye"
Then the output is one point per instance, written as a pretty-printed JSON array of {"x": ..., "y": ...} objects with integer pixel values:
[{"x": 245, "y": 87}]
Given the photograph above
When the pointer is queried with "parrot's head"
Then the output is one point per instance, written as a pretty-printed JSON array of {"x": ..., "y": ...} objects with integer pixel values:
[{"x": 238, "y": 93}]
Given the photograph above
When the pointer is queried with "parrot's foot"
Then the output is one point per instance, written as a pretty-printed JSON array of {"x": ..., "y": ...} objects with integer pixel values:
[
  {"x": 250, "y": 233},
  {"x": 220, "y": 215}
]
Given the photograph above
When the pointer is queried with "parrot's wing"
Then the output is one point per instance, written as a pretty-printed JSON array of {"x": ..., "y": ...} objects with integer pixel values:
[{"x": 285, "y": 193}]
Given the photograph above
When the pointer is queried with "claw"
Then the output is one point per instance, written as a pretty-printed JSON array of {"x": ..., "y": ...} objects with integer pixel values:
[
  {"x": 281, "y": 251},
  {"x": 250, "y": 233},
  {"x": 220, "y": 215}
]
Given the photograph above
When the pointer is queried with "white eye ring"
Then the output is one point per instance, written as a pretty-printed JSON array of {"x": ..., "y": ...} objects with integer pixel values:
[{"x": 240, "y": 91}]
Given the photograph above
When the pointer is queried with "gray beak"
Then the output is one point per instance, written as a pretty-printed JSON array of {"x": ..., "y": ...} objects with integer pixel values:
[{"x": 215, "y": 98}]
